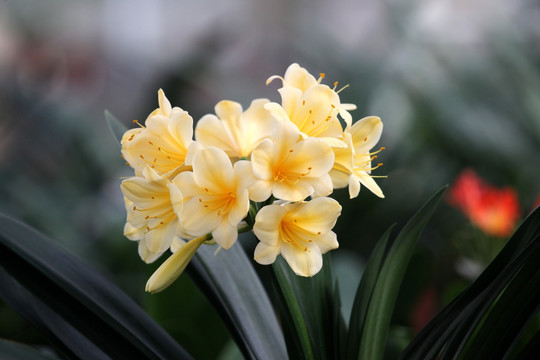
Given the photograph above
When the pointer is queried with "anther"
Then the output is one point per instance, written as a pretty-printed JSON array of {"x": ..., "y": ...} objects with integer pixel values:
[{"x": 138, "y": 123}]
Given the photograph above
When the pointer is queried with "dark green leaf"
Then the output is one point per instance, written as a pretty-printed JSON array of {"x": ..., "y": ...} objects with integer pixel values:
[
  {"x": 116, "y": 128},
  {"x": 229, "y": 281},
  {"x": 452, "y": 328},
  {"x": 363, "y": 296},
  {"x": 15, "y": 351},
  {"x": 313, "y": 308},
  {"x": 77, "y": 307},
  {"x": 386, "y": 289},
  {"x": 512, "y": 311}
]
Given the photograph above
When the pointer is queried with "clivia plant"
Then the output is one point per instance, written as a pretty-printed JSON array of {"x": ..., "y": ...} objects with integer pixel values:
[{"x": 271, "y": 170}]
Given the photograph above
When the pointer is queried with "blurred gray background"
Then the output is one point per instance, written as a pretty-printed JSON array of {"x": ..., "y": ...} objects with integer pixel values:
[{"x": 456, "y": 83}]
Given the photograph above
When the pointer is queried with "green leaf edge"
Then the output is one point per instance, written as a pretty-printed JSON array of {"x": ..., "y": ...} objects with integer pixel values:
[{"x": 389, "y": 280}]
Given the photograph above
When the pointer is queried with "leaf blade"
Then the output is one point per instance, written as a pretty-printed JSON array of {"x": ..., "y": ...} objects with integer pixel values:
[
  {"x": 78, "y": 295},
  {"x": 230, "y": 283},
  {"x": 389, "y": 280}
]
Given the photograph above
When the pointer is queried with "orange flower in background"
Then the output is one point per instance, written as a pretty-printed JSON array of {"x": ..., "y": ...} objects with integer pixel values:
[{"x": 495, "y": 211}]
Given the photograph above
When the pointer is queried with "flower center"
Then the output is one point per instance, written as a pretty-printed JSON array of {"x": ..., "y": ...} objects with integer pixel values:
[
  {"x": 222, "y": 203},
  {"x": 294, "y": 235}
]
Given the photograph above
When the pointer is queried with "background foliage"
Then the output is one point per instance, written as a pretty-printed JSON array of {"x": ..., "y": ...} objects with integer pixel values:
[{"x": 457, "y": 85}]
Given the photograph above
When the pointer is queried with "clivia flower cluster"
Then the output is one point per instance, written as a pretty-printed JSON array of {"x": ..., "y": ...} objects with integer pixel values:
[{"x": 268, "y": 169}]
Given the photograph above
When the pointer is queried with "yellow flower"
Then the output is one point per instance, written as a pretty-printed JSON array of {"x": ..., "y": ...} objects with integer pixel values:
[
  {"x": 151, "y": 202},
  {"x": 163, "y": 143},
  {"x": 353, "y": 164},
  {"x": 300, "y": 232},
  {"x": 310, "y": 105},
  {"x": 290, "y": 169},
  {"x": 216, "y": 195},
  {"x": 233, "y": 131},
  {"x": 173, "y": 267}
]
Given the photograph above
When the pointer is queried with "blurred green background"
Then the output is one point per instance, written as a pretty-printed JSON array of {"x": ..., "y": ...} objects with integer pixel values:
[{"x": 456, "y": 83}]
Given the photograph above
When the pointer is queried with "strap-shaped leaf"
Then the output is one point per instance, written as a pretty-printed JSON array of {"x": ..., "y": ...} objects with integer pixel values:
[
  {"x": 229, "y": 281},
  {"x": 313, "y": 307},
  {"x": 453, "y": 326},
  {"x": 16, "y": 351},
  {"x": 363, "y": 296},
  {"x": 73, "y": 296},
  {"x": 386, "y": 289},
  {"x": 512, "y": 311}
]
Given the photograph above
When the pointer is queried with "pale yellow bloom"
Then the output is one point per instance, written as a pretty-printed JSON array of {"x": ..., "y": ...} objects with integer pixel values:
[
  {"x": 300, "y": 232},
  {"x": 151, "y": 219},
  {"x": 163, "y": 143},
  {"x": 174, "y": 266},
  {"x": 353, "y": 164},
  {"x": 310, "y": 105},
  {"x": 289, "y": 167},
  {"x": 233, "y": 131},
  {"x": 216, "y": 194}
]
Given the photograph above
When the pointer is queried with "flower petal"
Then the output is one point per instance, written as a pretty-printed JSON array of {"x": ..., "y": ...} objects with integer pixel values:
[
  {"x": 266, "y": 254},
  {"x": 368, "y": 182},
  {"x": 366, "y": 133},
  {"x": 304, "y": 262},
  {"x": 267, "y": 224},
  {"x": 225, "y": 234},
  {"x": 198, "y": 220},
  {"x": 210, "y": 131},
  {"x": 327, "y": 241},
  {"x": 298, "y": 77},
  {"x": 173, "y": 267},
  {"x": 354, "y": 186},
  {"x": 322, "y": 186},
  {"x": 262, "y": 160},
  {"x": 292, "y": 192},
  {"x": 318, "y": 215},
  {"x": 213, "y": 169}
]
